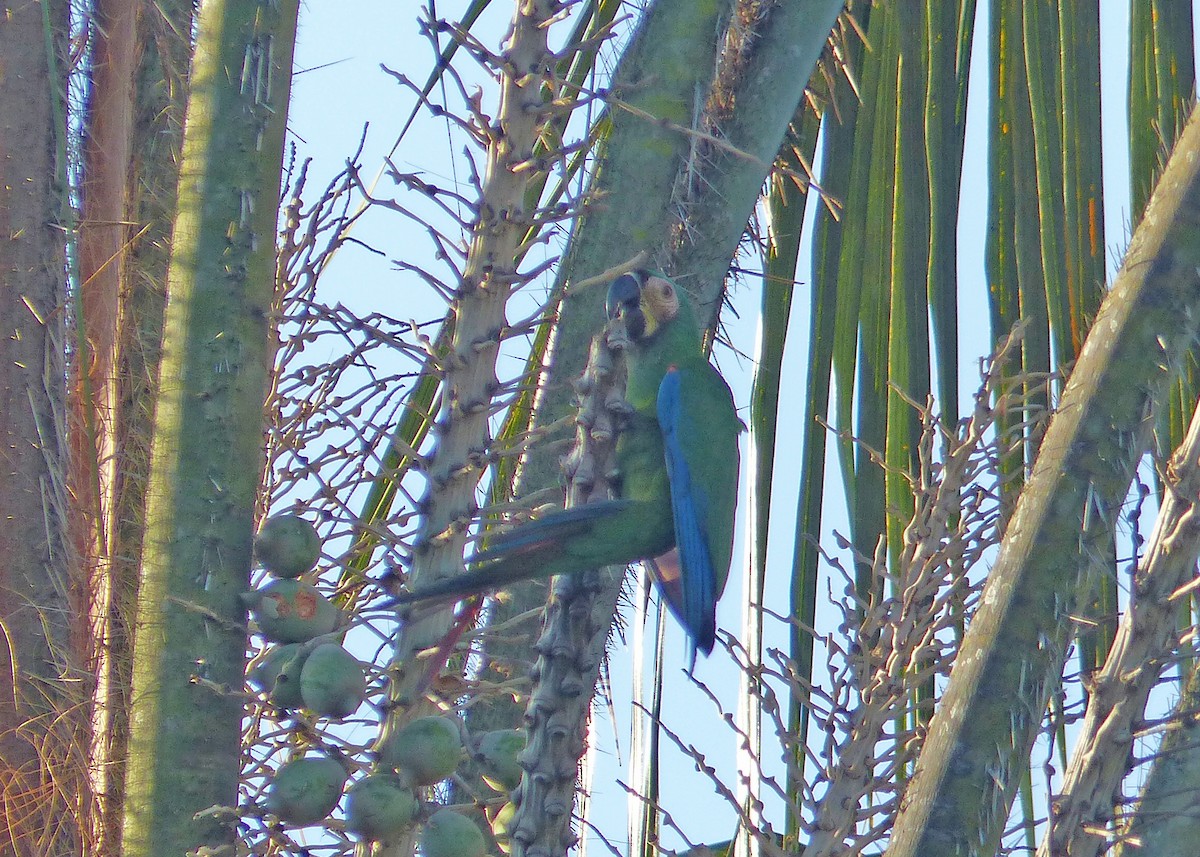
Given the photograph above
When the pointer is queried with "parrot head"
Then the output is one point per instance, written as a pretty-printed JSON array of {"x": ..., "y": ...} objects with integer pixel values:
[{"x": 645, "y": 300}]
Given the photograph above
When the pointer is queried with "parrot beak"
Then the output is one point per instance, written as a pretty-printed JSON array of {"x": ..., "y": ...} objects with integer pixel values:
[{"x": 625, "y": 301}]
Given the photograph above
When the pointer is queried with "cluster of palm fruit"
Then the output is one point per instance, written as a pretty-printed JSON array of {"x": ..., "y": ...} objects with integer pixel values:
[{"x": 304, "y": 669}]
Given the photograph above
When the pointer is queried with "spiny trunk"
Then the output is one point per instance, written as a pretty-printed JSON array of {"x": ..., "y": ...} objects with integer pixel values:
[
  {"x": 207, "y": 458},
  {"x": 34, "y": 584},
  {"x": 163, "y": 45}
]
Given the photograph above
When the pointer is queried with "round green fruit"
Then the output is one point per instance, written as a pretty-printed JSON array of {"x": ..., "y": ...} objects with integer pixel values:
[
  {"x": 428, "y": 749},
  {"x": 379, "y": 807},
  {"x": 502, "y": 826},
  {"x": 304, "y": 791},
  {"x": 497, "y": 754},
  {"x": 276, "y": 672},
  {"x": 292, "y": 611},
  {"x": 448, "y": 834},
  {"x": 286, "y": 693},
  {"x": 332, "y": 683},
  {"x": 287, "y": 546}
]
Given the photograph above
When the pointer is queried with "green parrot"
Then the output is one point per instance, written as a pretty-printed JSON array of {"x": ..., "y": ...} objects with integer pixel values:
[{"x": 678, "y": 463}]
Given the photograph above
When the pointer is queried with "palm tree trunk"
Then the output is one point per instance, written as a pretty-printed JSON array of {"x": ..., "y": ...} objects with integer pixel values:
[
  {"x": 34, "y": 576},
  {"x": 104, "y": 237},
  {"x": 207, "y": 448},
  {"x": 164, "y": 50},
  {"x": 1013, "y": 652}
]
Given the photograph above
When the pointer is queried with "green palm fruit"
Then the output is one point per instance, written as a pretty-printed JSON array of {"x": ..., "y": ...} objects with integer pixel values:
[
  {"x": 292, "y": 611},
  {"x": 502, "y": 825},
  {"x": 276, "y": 672},
  {"x": 497, "y": 754},
  {"x": 379, "y": 807},
  {"x": 304, "y": 791},
  {"x": 332, "y": 683},
  {"x": 287, "y": 546},
  {"x": 427, "y": 750},
  {"x": 448, "y": 834}
]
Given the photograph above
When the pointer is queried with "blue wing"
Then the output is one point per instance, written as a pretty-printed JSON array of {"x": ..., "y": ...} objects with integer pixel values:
[{"x": 694, "y": 599}]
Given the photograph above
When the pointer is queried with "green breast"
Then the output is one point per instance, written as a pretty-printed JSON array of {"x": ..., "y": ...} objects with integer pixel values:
[{"x": 644, "y": 477}]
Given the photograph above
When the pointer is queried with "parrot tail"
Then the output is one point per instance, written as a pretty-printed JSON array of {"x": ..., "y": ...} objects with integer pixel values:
[
  {"x": 529, "y": 551},
  {"x": 695, "y": 610},
  {"x": 550, "y": 528}
]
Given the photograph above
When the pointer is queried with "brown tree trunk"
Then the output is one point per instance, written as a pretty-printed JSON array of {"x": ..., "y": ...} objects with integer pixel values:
[
  {"x": 105, "y": 236},
  {"x": 38, "y": 813}
]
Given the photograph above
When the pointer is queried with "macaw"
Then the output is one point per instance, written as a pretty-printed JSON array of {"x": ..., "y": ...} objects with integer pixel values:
[{"x": 678, "y": 463}]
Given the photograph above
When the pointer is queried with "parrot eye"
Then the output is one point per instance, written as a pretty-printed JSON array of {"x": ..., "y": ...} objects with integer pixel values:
[{"x": 662, "y": 295}]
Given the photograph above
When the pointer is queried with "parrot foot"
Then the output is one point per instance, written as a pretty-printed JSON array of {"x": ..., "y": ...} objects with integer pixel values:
[
  {"x": 616, "y": 336},
  {"x": 603, "y": 429},
  {"x": 617, "y": 404},
  {"x": 579, "y": 466},
  {"x": 587, "y": 413}
]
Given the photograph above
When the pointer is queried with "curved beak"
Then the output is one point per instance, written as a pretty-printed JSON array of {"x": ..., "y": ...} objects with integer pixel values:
[{"x": 625, "y": 301}]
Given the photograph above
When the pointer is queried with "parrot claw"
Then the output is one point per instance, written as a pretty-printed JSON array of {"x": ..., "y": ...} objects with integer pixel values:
[
  {"x": 602, "y": 431},
  {"x": 570, "y": 462},
  {"x": 579, "y": 467},
  {"x": 617, "y": 337},
  {"x": 585, "y": 472},
  {"x": 616, "y": 403},
  {"x": 585, "y": 383},
  {"x": 600, "y": 360},
  {"x": 587, "y": 415}
]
